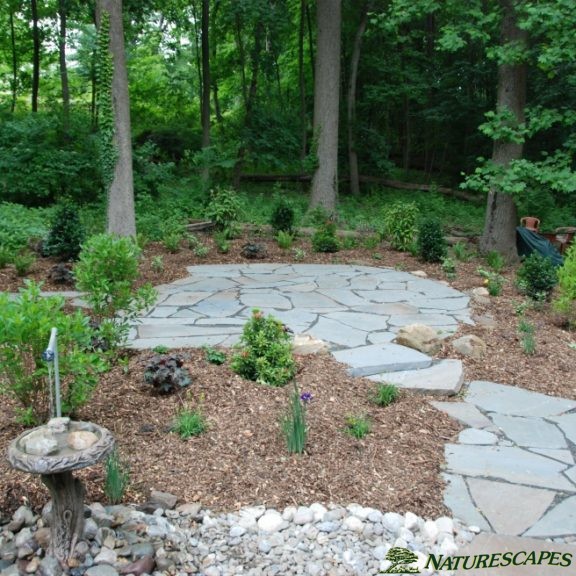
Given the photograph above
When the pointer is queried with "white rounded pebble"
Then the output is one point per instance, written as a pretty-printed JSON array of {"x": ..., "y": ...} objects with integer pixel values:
[
  {"x": 270, "y": 521},
  {"x": 430, "y": 531},
  {"x": 392, "y": 522},
  {"x": 445, "y": 524},
  {"x": 410, "y": 520},
  {"x": 304, "y": 515},
  {"x": 353, "y": 523}
]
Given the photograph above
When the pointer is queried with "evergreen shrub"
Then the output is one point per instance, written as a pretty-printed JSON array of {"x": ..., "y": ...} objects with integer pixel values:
[
  {"x": 537, "y": 276},
  {"x": 431, "y": 241}
]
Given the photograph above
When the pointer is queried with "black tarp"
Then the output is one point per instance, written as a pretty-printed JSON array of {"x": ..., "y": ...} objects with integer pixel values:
[{"x": 528, "y": 241}]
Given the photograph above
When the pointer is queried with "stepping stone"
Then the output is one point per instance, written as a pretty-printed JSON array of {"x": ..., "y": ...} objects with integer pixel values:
[
  {"x": 378, "y": 358},
  {"x": 265, "y": 299},
  {"x": 499, "y": 504},
  {"x": 179, "y": 342},
  {"x": 560, "y": 455},
  {"x": 366, "y": 322},
  {"x": 381, "y": 337},
  {"x": 488, "y": 544},
  {"x": 337, "y": 333},
  {"x": 465, "y": 413},
  {"x": 458, "y": 500},
  {"x": 177, "y": 331},
  {"x": 513, "y": 401},
  {"x": 477, "y": 437},
  {"x": 507, "y": 463},
  {"x": 559, "y": 521},
  {"x": 345, "y": 297},
  {"x": 568, "y": 425},
  {"x": 444, "y": 377},
  {"x": 531, "y": 432}
]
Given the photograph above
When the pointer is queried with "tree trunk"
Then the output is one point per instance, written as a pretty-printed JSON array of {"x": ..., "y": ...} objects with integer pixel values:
[
  {"x": 205, "y": 87},
  {"x": 351, "y": 108},
  {"x": 121, "y": 216},
  {"x": 62, "y": 13},
  {"x": 14, "y": 83},
  {"x": 326, "y": 105},
  {"x": 35, "y": 55},
  {"x": 302, "y": 85},
  {"x": 501, "y": 218}
]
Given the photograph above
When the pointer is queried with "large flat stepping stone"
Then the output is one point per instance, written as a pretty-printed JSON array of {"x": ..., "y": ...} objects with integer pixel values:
[
  {"x": 559, "y": 521},
  {"x": 378, "y": 358},
  {"x": 568, "y": 425},
  {"x": 443, "y": 377},
  {"x": 498, "y": 502},
  {"x": 520, "y": 548},
  {"x": 532, "y": 432},
  {"x": 458, "y": 500},
  {"x": 507, "y": 463},
  {"x": 465, "y": 413},
  {"x": 493, "y": 397}
]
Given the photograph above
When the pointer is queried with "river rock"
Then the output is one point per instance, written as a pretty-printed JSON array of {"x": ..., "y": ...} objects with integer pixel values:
[
  {"x": 40, "y": 442},
  {"x": 470, "y": 345},
  {"x": 81, "y": 439},
  {"x": 420, "y": 337}
]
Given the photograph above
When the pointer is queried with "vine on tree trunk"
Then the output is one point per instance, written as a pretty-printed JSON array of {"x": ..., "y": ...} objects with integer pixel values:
[{"x": 106, "y": 131}]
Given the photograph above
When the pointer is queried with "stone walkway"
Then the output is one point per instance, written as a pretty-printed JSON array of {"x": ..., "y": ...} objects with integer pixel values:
[{"x": 513, "y": 469}]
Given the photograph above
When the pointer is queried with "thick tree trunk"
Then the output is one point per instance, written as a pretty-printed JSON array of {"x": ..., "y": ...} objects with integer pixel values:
[
  {"x": 121, "y": 216},
  {"x": 501, "y": 218},
  {"x": 62, "y": 13},
  {"x": 205, "y": 113},
  {"x": 35, "y": 56},
  {"x": 351, "y": 104},
  {"x": 326, "y": 105},
  {"x": 302, "y": 85}
]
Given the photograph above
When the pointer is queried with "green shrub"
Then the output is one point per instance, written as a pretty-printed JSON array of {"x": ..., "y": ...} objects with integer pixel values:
[
  {"x": 294, "y": 424},
  {"x": 157, "y": 264},
  {"x": 400, "y": 225},
  {"x": 537, "y": 276},
  {"x": 348, "y": 243},
  {"x": 527, "y": 332},
  {"x": 214, "y": 356},
  {"x": 201, "y": 251},
  {"x": 495, "y": 261},
  {"x": 385, "y": 394},
  {"x": 265, "y": 351},
  {"x": 23, "y": 261},
  {"x": 284, "y": 240},
  {"x": 324, "y": 238},
  {"x": 189, "y": 423},
  {"x": 5, "y": 256},
  {"x": 172, "y": 239},
  {"x": 224, "y": 208},
  {"x": 19, "y": 226},
  {"x": 431, "y": 241},
  {"x": 167, "y": 373},
  {"x": 449, "y": 268},
  {"x": 357, "y": 426},
  {"x": 565, "y": 303},
  {"x": 117, "y": 478},
  {"x": 299, "y": 254},
  {"x": 107, "y": 271},
  {"x": 461, "y": 252},
  {"x": 24, "y": 335},
  {"x": 283, "y": 217},
  {"x": 222, "y": 242},
  {"x": 493, "y": 281},
  {"x": 66, "y": 234},
  {"x": 371, "y": 242}
]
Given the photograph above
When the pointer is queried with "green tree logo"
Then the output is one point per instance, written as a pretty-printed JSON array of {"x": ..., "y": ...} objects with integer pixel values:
[{"x": 401, "y": 558}]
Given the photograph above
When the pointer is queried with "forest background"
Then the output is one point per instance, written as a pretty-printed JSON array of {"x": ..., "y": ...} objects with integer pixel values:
[{"x": 476, "y": 96}]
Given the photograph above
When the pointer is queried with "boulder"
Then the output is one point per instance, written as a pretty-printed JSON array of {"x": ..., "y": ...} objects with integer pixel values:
[
  {"x": 419, "y": 337},
  {"x": 306, "y": 344},
  {"x": 470, "y": 345}
]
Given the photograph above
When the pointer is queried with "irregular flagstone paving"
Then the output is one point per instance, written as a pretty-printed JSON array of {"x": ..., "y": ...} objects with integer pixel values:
[{"x": 513, "y": 471}]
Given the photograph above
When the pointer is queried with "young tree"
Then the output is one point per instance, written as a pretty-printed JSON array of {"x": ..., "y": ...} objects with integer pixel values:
[
  {"x": 326, "y": 105},
  {"x": 121, "y": 215}
]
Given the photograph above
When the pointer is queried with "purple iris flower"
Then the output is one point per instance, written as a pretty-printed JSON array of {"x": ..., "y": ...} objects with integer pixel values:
[{"x": 306, "y": 397}]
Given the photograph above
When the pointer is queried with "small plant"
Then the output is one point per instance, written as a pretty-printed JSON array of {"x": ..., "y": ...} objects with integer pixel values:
[
  {"x": 495, "y": 261},
  {"x": 192, "y": 241},
  {"x": 348, "y": 243},
  {"x": 283, "y": 217},
  {"x": 493, "y": 281},
  {"x": 265, "y": 351},
  {"x": 521, "y": 307},
  {"x": 222, "y": 242},
  {"x": 385, "y": 394},
  {"x": 565, "y": 303},
  {"x": 527, "y": 333},
  {"x": 157, "y": 264},
  {"x": 371, "y": 242},
  {"x": 357, "y": 426},
  {"x": 107, "y": 271},
  {"x": 189, "y": 423},
  {"x": 117, "y": 478},
  {"x": 537, "y": 277},
  {"x": 400, "y": 225},
  {"x": 214, "y": 356},
  {"x": 5, "y": 256},
  {"x": 67, "y": 233},
  {"x": 449, "y": 267},
  {"x": 160, "y": 349},
  {"x": 167, "y": 373},
  {"x": 201, "y": 251},
  {"x": 294, "y": 423},
  {"x": 299, "y": 254},
  {"x": 324, "y": 238},
  {"x": 431, "y": 242},
  {"x": 23, "y": 261},
  {"x": 172, "y": 240},
  {"x": 461, "y": 252},
  {"x": 24, "y": 334},
  {"x": 284, "y": 240},
  {"x": 224, "y": 208}
]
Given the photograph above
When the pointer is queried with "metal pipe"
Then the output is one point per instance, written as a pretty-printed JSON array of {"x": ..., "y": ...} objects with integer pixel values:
[{"x": 51, "y": 355}]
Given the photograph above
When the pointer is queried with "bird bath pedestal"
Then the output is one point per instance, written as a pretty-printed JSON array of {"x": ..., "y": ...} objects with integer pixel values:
[{"x": 54, "y": 450}]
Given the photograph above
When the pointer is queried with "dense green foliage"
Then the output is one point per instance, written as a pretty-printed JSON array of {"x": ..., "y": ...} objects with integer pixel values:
[
  {"x": 431, "y": 242},
  {"x": 400, "y": 225},
  {"x": 565, "y": 303},
  {"x": 324, "y": 238},
  {"x": 265, "y": 351},
  {"x": 117, "y": 478},
  {"x": 283, "y": 216},
  {"x": 66, "y": 234},
  {"x": 24, "y": 333},
  {"x": 294, "y": 424},
  {"x": 537, "y": 276}
]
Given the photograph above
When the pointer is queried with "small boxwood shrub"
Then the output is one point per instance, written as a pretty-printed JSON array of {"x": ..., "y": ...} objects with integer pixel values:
[
  {"x": 537, "y": 276},
  {"x": 431, "y": 242},
  {"x": 283, "y": 217},
  {"x": 66, "y": 234},
  {"x": 324, "y": 238}
]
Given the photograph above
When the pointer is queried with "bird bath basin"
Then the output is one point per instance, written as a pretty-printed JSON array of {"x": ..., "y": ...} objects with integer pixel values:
[{"x": 54, "y": 450}]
